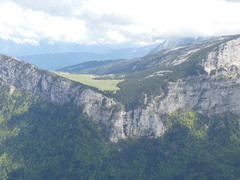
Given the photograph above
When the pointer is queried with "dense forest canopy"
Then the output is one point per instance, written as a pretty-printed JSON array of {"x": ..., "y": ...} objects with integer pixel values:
[{"x": 47, "y": 141}]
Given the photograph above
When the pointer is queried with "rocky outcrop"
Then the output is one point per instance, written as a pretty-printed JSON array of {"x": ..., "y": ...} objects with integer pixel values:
[
  {"x": 121, "y": 124},
  {"x": 209, "y": 94},
  {"x": 224, "y": 59},
  {"x": 43, "y": 83},
  {"x": 208, "y": 97},
  {"x": 53, "y": 88}
]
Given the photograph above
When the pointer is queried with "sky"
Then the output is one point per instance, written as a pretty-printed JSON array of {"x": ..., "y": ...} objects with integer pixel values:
[{"x": 116, "y": 21}]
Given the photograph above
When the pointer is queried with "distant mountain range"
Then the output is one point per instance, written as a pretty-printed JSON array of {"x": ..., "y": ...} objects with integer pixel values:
[
  {"x": 58, "y": 60},
  {"x": 15, "y": 49},
  {"x": 140, "y": 63},
  {"x": 55, "y": 56},
  {"x": 173, "y": 42}
]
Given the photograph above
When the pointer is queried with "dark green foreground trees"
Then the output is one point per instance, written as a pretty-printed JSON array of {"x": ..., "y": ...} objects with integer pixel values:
[{"x": 46, "y": 141}]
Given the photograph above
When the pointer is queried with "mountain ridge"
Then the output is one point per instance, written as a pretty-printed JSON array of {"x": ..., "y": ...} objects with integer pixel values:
[
  {"x": 131, "y": 65},
  {"x": 145, "y": 120},
  {"x": 74, "y": 54}
]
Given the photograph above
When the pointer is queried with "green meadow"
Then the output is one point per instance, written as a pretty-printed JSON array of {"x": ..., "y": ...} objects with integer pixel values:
[{"x": 93, "y": 80}]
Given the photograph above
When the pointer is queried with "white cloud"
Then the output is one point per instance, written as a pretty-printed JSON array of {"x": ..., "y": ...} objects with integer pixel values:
[
  {"x": 55, "y": 7},
  {"x": 17, "y": 22},
  {"x": 114, "y": 35},
  {"x": 116, "y": 21}
]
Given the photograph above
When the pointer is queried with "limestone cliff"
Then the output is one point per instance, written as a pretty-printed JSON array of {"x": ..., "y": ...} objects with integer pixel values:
[
  {"x": 211, "y": 94},
  {"x": 224, "y": 59}
]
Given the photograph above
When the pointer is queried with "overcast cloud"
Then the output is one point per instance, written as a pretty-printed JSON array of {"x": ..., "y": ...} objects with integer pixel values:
[{"x": 115, "y": 21}]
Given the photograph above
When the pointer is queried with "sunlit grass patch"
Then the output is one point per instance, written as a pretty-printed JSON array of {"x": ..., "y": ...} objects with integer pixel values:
[{"x": 93, "y": 80}]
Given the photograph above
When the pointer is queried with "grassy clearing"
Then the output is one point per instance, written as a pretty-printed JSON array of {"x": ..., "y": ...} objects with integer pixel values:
[{"x": 88, "y": 79}]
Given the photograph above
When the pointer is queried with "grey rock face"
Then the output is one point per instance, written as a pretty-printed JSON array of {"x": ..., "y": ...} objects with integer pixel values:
[
  {"x": 121, "y": 124},
  {"x": 208, "y": 95},
  {"x": 225, "y": 58}
]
